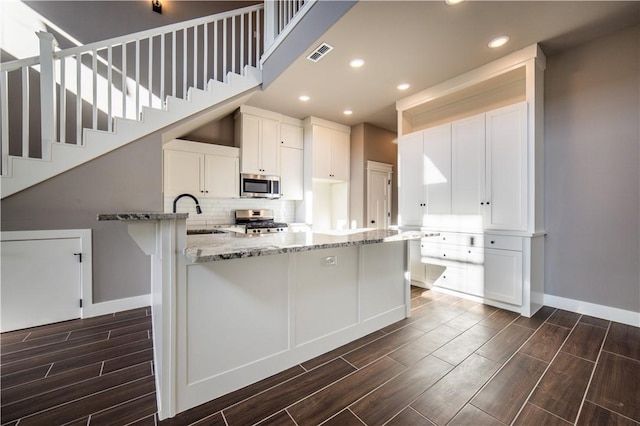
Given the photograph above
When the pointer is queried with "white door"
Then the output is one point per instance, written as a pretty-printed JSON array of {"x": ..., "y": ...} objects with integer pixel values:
[
  {"x": 222, "y": 176},
  {"x": 41, "y": 281},
  {"x": 410, "y": 180},
  {"x": 468, "y": 172},
  {"x": 183, "y": 172},
  {"x": 506, "y": 173},
  {"x": 292, "y": 174},
  {"x": 340, "y": 153},
  {"x": 378, "y": 196},
  {"x": 270, "y": 147},
  {"x": 437, "y": 172}
]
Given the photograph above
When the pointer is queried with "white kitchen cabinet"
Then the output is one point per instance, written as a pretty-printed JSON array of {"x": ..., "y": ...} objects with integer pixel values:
[
  {"x": 468, "y": 170},
  {"x": 424, "y": 160},
  {"x": 291, "y": 135},
  {"x": 291, "y": 159},
  {"x": 503, "y": 275},
  {"x": 505, "y": 200},
  {"x": 292, "y": 173},
  {"x": 258, "y": 138},
  {"x": 204, "y": 170},
  {"x": 410, "y": 180},
  {"x": 437, "y": 172},
  {"x": 330, "y": 152}
]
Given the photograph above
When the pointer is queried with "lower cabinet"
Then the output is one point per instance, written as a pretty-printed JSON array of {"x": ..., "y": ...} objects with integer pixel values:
[{"x": 482, "y": 265}]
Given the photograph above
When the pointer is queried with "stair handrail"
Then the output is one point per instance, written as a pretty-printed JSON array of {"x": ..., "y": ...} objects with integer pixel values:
[{"x": 93, "y": 67}]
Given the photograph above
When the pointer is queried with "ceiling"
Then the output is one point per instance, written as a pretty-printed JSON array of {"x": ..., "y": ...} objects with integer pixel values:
[{"x": 424, "y": 43}]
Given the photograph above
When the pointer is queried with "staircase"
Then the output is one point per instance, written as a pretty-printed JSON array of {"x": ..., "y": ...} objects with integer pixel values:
[{"x": 98, "y": 97}]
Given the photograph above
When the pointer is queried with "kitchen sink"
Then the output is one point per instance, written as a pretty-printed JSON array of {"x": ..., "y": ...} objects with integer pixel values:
[{"x": 204, "y": 231}]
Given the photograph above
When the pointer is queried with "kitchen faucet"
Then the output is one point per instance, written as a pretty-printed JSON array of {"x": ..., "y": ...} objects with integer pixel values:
[{"x": 175, "y": 202}]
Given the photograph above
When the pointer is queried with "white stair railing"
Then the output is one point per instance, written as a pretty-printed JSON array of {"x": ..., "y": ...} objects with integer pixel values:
[
  {"x": 279, "y": 17},
  {"x": 88, "y": 86}
]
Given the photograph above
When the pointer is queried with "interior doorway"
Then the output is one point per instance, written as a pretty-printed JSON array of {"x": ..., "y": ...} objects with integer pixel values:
[{"x": 379, "y": 194}]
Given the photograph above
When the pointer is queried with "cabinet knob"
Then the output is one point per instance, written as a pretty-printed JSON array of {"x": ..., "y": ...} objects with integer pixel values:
[
  {"x": 493, "y": 242},
  {"x": 206, "y": 192},
  {"x": 482, "y": 204},
  {"x": 444, "y": 255},
  {"x": 488, "y": 203}
]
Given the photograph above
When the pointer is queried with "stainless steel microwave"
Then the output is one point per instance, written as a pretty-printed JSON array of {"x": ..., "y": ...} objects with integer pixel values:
[{"x": 259, "y": 186}]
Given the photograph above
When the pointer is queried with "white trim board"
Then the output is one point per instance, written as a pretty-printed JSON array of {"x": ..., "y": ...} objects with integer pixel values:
[
  {"x": 593, "y": 309},
  {"x": 112, "y": 306}
]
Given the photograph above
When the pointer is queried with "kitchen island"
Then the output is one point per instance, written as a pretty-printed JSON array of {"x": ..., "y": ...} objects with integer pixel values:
[{"x": 231, "y": 309}]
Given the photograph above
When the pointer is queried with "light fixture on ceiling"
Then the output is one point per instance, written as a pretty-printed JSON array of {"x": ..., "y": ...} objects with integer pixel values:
[
  {"x": 304, "y": 98},
  {"x": 403, "y": 86},
  {"x": 347, "y": 112},
  {"x": 498, "y": 41},
  {"x": 156, "y": 6},
  {"x": 453, "y": 2},
  {"x": 356, "y": 63}
]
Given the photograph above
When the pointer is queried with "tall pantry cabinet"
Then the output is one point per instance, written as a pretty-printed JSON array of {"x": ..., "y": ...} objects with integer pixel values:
[{"x": 470, "y": 171}]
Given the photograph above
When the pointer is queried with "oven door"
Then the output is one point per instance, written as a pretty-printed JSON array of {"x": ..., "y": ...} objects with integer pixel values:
[{"x": 258, "y": 186}]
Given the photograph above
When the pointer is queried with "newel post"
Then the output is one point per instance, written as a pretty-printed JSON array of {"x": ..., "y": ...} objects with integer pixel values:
[{"x": 47, "y": 92}]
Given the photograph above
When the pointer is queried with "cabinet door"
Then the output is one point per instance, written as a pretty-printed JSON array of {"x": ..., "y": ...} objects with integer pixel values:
[
  {"x": 321, "y": 152},
  {"x": 503, "y": 275},
  {"x": 437, "y": 172},
  {"x": 291, "y": 136},
  {"x": 410, "y": 180},
  {"x": 222, "y": 176},
  {"x": 183, "y": 172},
  {"x": 506, "y": 168},
  {"x": 468, "y": 172},
  {"x": 250, "y": 151},
  {"x": 270, "y": 147},
  {"x": 292, "y": 176},
  {"x": 339, "y": 156}
]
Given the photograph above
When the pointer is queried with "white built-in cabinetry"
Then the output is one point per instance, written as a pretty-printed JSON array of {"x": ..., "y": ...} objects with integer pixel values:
[
  {"x": 330, "y": 144},
  {"x": 291, "y": 160},
  {"x": 327, "y": 152},
  {"x": 470, "y": 169},
  {"x": 200, "y": 169},
  {"x": 257, "y": 134},
  {"x": 271, "y": 144}
]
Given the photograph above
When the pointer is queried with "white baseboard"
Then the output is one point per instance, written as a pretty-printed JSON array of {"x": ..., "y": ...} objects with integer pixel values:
[
  {"x": 103, "y": 308},
  {"x": 594, "y": 310}
]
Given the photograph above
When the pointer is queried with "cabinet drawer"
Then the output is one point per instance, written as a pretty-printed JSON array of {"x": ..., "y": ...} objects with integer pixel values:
[
  {"x": 444, "y": 252},
  {"x": 456, "y": 238},
  {"x": 452, "y": 278},
  {"x": 503, "y": 242}
]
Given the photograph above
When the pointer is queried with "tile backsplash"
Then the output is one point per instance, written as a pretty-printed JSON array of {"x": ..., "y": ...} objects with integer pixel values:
[{"x": 218, "y": 211}]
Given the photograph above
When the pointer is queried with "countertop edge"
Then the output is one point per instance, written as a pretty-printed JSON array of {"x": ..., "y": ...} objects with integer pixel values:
[{"x": 141, "y": 216}]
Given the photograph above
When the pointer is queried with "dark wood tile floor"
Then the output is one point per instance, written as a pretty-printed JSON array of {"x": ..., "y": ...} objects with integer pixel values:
[{"x": 453, "y": 362}]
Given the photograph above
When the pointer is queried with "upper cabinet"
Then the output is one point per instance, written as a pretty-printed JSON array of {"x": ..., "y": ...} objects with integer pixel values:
[
  {"x": 330, "y": 146},
  {"x": 200, "y": 169},
  {"x": 291, "y": 159},
  {"x": 257, "y": 134}
]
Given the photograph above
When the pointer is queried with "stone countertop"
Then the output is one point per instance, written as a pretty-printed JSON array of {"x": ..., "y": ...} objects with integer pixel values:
[
  {"x": 231, "y": 245},
  {"x": 142, "y": 216}
]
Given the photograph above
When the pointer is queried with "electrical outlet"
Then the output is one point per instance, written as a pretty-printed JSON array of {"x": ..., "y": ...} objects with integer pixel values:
[{"x": 331, "y": 261}]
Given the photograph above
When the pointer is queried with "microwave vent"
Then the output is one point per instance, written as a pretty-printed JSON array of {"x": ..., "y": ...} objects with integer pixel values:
[{"x": 319, "y": 52}]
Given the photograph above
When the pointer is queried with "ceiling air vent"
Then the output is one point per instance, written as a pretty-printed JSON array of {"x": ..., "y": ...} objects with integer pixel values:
[{"x": 319, "y": 52}]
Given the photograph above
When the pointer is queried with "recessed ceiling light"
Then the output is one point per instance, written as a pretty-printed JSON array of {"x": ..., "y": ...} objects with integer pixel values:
[
  {"x": 498, "y": 41},
  {"x": 304, "y": 98},
  {"x": 347, "y": 112},
  {"x": 356, "y": 63},
  {"x": 403, "y": 86},
  {"x": 453, "y": 2}
]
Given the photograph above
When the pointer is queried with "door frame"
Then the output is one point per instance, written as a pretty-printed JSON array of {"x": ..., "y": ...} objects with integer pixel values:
[{"x": 375, "y": 166}]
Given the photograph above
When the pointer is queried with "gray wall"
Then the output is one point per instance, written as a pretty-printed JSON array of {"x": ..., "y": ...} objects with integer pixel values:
[
  {"x": 127, "y": 179},
  {"x": 371, "y": 143},
  {"x": 592, "y": 172}
]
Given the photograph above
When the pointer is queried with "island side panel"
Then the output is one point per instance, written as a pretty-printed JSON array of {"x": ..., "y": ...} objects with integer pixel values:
[
  {"x": 384, "y": 285},
  {"x": 325, "y": 293}
]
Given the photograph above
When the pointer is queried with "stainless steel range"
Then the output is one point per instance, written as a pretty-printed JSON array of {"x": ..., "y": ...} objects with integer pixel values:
[{"x": 259, "y": 222}]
